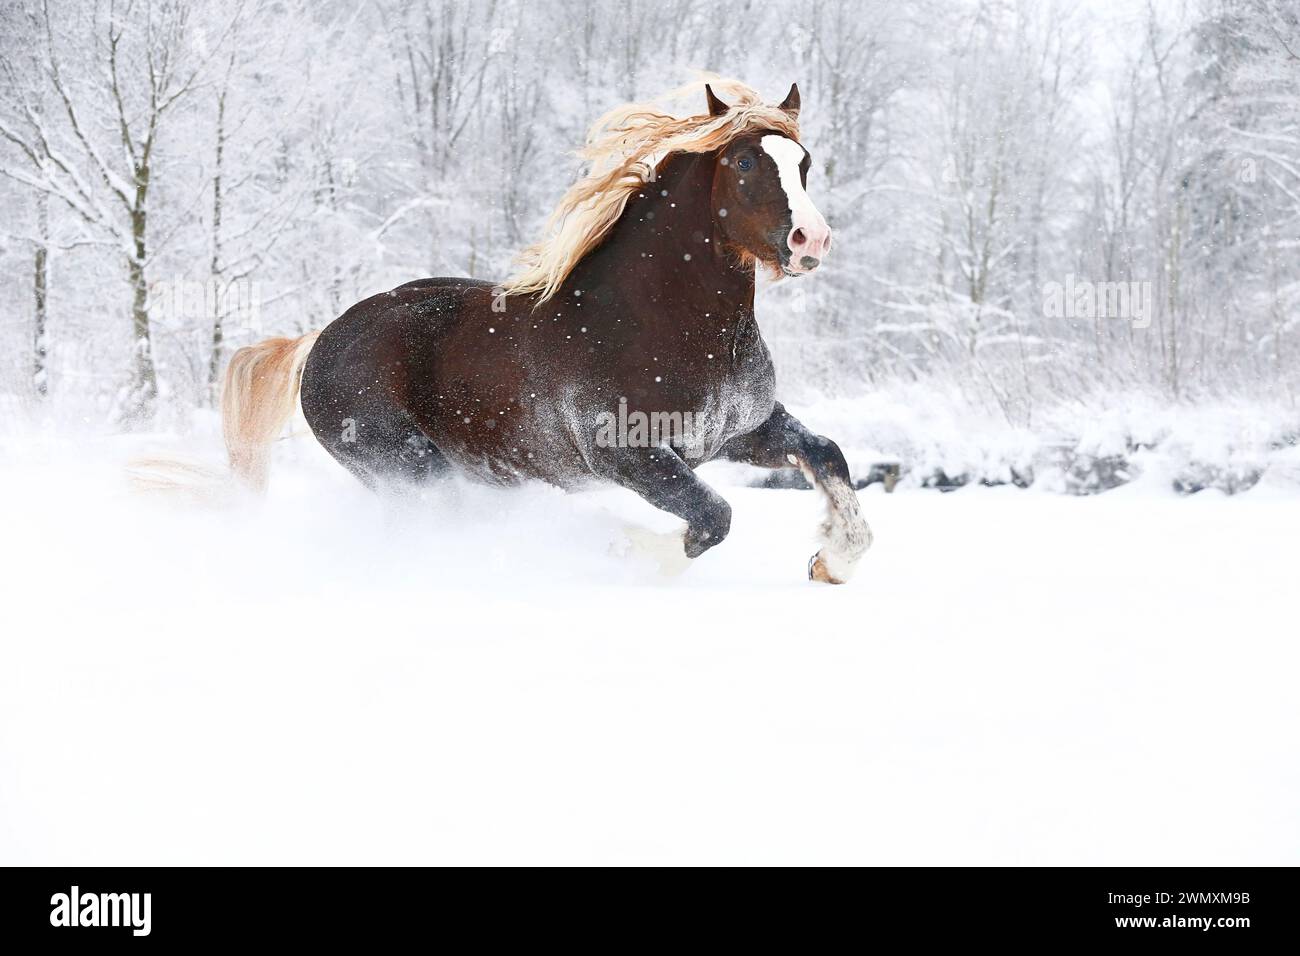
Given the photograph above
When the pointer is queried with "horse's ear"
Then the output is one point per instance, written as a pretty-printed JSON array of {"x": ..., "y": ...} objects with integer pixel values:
[
  {"x": 791, "y": 102},
  {"x": 716, "y": 106}
]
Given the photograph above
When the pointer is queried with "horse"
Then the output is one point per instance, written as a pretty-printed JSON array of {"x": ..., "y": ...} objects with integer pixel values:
[{"x": 637, "y": 305}]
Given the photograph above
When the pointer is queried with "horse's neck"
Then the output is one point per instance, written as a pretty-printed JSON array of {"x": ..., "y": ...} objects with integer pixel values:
[{"x": 667, "y": 238}]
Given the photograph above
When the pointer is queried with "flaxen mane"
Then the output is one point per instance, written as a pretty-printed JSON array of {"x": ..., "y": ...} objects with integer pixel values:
[{"x": 623, "y": 147}]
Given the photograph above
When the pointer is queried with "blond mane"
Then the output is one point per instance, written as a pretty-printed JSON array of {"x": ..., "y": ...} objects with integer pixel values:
[{"x": 623, "y": 147}]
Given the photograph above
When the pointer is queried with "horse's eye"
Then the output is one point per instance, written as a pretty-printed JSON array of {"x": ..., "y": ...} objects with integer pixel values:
[{"x": 744, "y": 164}]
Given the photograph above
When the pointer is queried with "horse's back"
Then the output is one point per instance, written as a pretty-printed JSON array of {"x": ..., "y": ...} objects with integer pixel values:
[{"x": 389, "y": 331}]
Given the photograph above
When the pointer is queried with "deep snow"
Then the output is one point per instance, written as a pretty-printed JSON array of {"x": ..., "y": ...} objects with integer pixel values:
[{"x": 499, "y": 677}]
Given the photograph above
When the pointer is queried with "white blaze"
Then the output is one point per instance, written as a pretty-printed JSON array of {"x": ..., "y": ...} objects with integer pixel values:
[
  {"x": 788, "y": 155},
  {"x": 810, "y": 238}
]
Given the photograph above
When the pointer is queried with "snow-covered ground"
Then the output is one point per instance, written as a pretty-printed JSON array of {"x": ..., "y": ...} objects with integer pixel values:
[{"x": 499, "y": 677}]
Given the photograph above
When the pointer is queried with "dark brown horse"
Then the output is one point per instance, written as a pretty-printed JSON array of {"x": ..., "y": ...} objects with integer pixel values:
[{"x": 636, "y": 312}]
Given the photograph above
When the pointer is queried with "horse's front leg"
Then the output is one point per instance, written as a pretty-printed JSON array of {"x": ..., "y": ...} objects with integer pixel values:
[
  {"x": 781, "y": 441},
  {"x": 661, "y": 477}
]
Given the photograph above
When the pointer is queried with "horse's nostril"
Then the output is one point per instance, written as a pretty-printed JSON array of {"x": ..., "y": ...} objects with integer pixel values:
[
  {"x": 798, "y": 238},
  {"x": 826, "y": 247}
]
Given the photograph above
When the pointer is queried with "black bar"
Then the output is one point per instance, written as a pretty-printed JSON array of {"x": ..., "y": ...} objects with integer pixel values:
[{"x": 1220, "y": 907}]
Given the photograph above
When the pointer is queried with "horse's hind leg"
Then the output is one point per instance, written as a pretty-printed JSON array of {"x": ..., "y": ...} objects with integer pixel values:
[
  {"x": 383, "y": 447},
  {"x": 782, "y": 441}
]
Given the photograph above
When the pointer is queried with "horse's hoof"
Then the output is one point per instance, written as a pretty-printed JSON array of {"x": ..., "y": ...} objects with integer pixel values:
[
  {"x": 818, "y": 571},
  {"x": 663, "y": 548}
]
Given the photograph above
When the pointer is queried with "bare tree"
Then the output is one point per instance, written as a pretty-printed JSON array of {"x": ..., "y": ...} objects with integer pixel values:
[{"x": 134, "y": 63}]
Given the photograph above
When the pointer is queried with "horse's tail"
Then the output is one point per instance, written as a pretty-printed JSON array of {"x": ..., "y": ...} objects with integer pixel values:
[{"x": 258, "y": 397}]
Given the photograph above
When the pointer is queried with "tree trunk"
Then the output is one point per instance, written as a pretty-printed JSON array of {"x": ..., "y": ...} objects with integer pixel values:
[
  {"x": 144, "y": 384},
  {"x": 40, "y": 285},
  {"x": 218, "y": 330}
]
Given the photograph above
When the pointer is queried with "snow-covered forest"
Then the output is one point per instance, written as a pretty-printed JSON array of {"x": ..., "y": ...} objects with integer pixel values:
[{"x": 1046, "y": 212}]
